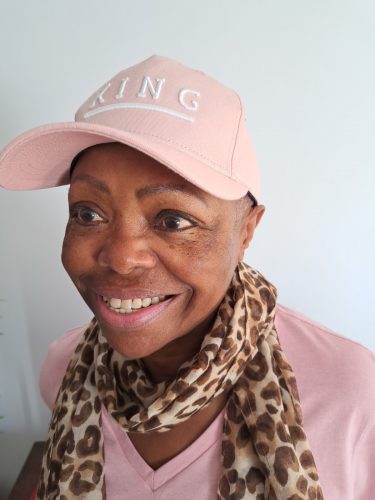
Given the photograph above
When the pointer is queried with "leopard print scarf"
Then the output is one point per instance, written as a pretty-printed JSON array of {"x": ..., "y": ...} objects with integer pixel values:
[{"x": 265, "y": 452}]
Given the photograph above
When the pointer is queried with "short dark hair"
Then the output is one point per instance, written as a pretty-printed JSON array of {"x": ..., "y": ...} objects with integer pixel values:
[
  {"x": 75, "y": 161},
  {"x": 253, "y": 200}
]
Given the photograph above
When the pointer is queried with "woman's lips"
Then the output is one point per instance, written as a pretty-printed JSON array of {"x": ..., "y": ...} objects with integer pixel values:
[{"x": 134, "y": 319}]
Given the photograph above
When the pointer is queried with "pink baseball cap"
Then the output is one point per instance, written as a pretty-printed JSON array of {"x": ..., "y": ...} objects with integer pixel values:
[{"x": 181, "y": 117}]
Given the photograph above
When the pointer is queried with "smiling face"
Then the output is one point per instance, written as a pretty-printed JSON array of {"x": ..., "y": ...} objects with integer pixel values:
[{"x": 139, "y": 233}]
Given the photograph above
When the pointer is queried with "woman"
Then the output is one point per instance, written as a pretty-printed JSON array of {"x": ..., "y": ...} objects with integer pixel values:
[{"x": 179, "y": 386}]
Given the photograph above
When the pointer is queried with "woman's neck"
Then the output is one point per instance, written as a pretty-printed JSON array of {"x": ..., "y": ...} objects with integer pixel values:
[{"x": 164, "y": 364}]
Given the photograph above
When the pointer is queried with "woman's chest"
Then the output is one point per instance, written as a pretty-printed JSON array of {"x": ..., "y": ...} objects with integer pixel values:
[
  {"x": 192, "y": 473},
  {"x": 158, "y": 448}
]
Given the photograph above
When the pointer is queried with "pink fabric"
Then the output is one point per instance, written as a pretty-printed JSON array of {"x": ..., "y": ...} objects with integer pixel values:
[
  {"x": 193, "y": 474},
  {"x": 170, "y": 112},
  {"x": 336, "y": 382}
]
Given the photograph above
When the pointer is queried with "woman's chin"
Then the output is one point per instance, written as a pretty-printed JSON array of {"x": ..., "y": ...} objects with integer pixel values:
[{"x": 131, "y": 345}]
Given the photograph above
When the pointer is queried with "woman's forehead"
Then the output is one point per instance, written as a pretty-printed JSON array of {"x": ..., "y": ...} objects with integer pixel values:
[
  {"x": 106, "y": 158},
  {"x": 106, "y": 165}
]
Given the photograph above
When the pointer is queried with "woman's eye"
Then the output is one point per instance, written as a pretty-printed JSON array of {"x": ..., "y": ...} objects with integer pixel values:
[
  {"x": 85, "y": 216},
  {"x": 174, "y": 222}
]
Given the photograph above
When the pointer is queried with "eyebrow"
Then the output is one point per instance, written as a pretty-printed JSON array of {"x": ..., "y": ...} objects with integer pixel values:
[
  {"x": 165, "y": 188},
  {"x": 96, "y": 183},
  {"x": 153, "y": 189}
]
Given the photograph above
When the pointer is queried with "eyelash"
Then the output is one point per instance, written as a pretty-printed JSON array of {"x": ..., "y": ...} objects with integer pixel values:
[
  {"x": 75, "y": 212},
  {"x": 177, "y": 215}
]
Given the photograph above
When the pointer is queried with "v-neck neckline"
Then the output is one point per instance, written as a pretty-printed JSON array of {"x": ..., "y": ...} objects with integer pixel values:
[{"x": 156, "y": 478}]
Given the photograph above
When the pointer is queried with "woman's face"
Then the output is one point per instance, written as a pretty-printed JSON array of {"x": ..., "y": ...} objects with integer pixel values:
[{"x": 139, "y": 233}]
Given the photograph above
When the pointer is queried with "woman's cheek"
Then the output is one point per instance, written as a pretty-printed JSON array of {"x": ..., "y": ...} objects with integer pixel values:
[
  {"x": 68, "y": 261},
  {"x": 193, "y": 254},
  {"x": 202, "y": 262},
  {"x": 74, "y": 252}
]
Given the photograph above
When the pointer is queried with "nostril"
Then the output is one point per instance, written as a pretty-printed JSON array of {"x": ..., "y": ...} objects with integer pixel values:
[{"x": 125, "y": 260}]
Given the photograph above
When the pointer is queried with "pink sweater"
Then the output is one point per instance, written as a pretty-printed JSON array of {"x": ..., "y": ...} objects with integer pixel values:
[{"x": 336, "y": 383}]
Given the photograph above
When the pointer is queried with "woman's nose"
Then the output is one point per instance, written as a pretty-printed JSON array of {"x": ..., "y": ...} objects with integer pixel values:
[{"x": 124, "y": 252}]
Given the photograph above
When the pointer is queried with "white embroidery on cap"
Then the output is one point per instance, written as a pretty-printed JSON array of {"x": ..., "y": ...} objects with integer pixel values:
[
  {"x": 193, "y": 104},
  {"x": 121, "y": 89},
  {"x": 136, "y": 105},
  {"x": 147, "y": 84},
  {"x": 98, "y": 99}
]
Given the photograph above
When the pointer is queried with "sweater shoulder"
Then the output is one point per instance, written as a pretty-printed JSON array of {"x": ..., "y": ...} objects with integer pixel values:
[
  {"x": 300, "y": 321},
  {"x": 320, "y": 354},
  {"x": 56, "y": 361}
]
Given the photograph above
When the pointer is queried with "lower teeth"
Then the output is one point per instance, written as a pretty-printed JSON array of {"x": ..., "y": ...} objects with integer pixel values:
[{"x": 123, "y": 311}]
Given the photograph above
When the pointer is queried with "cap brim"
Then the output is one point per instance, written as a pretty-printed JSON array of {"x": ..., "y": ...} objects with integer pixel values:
[{"x": 41, "y": 158}]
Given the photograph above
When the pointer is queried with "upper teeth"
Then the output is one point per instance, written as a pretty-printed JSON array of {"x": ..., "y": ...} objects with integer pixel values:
[{"x": 127, "y": 305}]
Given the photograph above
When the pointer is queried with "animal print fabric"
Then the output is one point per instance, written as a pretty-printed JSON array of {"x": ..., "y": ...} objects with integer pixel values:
[{"x": 265, "y": 451}]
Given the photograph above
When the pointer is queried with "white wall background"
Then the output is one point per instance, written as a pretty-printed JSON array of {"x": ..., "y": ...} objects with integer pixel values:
[{"x": 306, "y": 73}]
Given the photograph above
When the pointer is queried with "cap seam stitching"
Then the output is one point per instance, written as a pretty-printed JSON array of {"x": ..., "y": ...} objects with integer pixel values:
[
  {"x": 236, "y": 133},
  {"x": 178, "y": 145}
]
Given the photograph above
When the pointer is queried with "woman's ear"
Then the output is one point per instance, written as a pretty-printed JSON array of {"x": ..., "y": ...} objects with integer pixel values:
[{"x": 251, "y": 219}]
